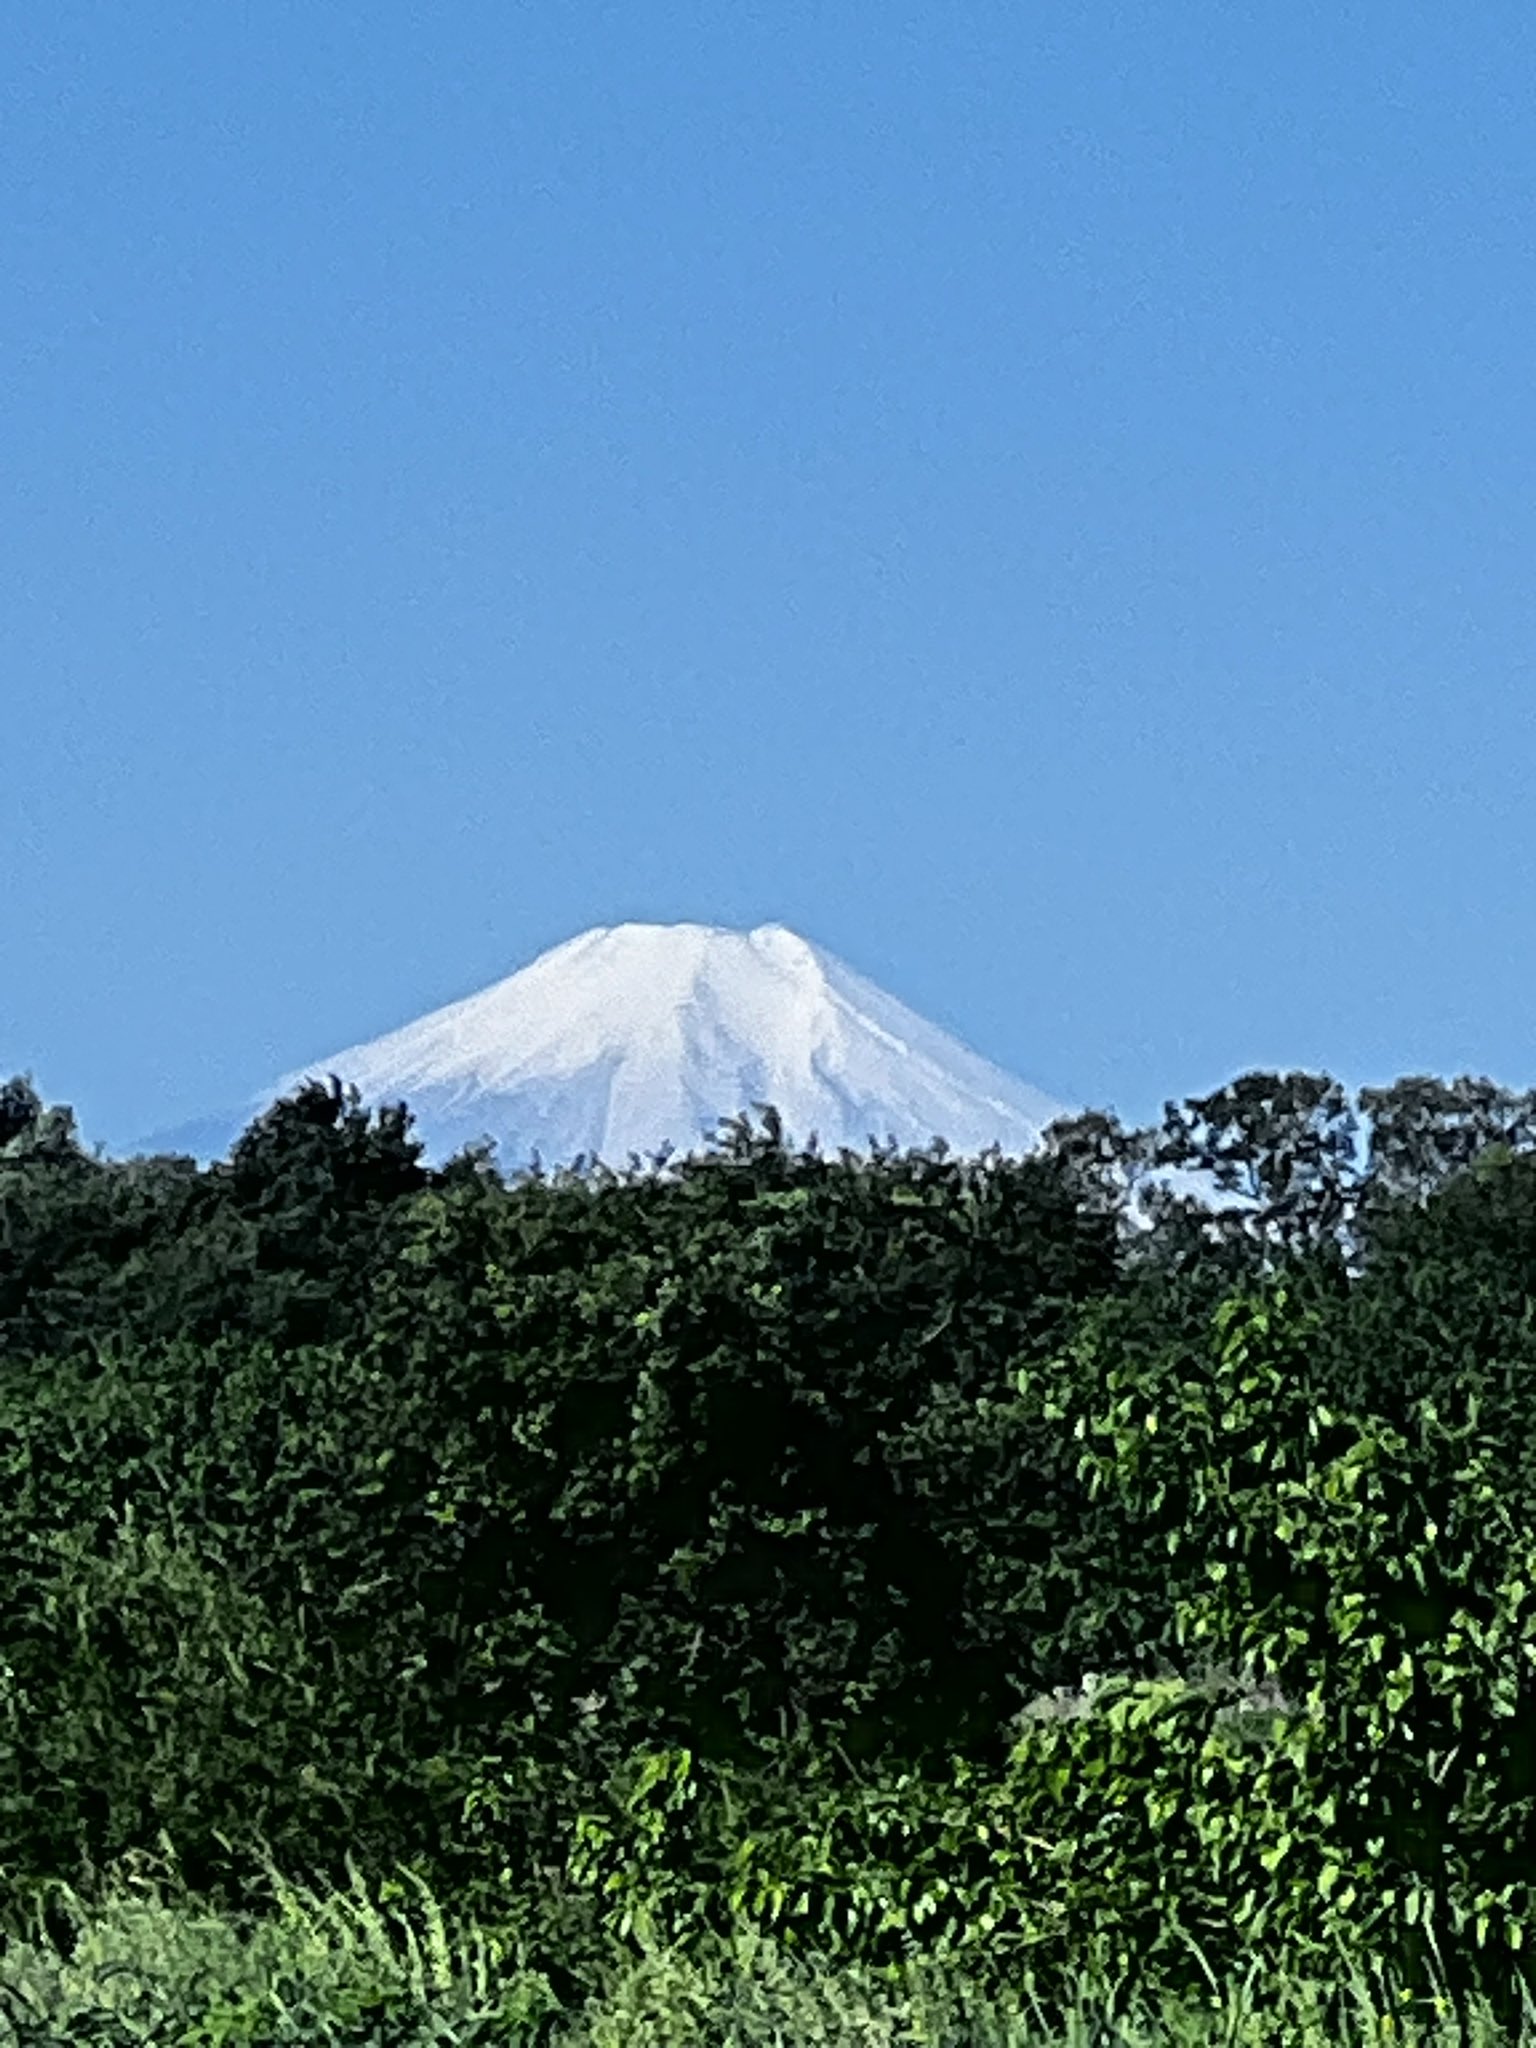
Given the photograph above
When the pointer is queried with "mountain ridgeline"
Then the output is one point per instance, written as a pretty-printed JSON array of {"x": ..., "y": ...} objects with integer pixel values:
[{"x": 528, "y": 1528}]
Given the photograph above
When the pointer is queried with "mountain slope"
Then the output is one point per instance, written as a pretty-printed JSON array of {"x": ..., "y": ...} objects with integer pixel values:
[{"x": 634, "y": 1036}]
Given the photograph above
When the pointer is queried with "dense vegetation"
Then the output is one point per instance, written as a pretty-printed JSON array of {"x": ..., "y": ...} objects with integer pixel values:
[{"x": 907, "y": 1558}]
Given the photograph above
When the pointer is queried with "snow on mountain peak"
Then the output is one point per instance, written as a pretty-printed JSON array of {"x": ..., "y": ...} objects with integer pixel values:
[{"x": 632, "y": 1036}]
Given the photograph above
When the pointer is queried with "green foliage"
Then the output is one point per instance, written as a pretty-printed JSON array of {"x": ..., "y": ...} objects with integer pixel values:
[
  {"x": 284, "y": 1241},
  {"x": 690, "y": 1447},
  {"x": 1446, "y": 1303},
  {"x": 720, "y": 1549},
  {"x": 1108, "y": 1841},
  {"x": 1361, "y": 1799},
  {"x": 1381, "y": 1579},
  {"x": 1285, "y": 1142}
]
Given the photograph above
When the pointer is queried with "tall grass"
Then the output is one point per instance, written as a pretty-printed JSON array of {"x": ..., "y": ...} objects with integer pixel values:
[{"x": 140, "y": 1961}]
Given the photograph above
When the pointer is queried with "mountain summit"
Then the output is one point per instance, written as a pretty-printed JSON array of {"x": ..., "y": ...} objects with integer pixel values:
[
  {"x": 632, "y": 1037},
  {"x": 635, "y": 1036}
]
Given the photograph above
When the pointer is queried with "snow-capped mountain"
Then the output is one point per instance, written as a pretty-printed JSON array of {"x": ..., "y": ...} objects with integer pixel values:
[{"x": 633, "y": 1037}]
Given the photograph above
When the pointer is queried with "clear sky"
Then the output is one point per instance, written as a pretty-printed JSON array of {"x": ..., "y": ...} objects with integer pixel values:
[{"x": 1039, "y": 499}]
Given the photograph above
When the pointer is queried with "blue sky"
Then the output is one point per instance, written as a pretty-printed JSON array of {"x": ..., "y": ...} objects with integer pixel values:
[{"x": 1038, "y": 499}]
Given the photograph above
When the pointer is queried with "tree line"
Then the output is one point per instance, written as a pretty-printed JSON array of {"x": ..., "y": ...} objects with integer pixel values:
[{"x": 522, "y": 1529}]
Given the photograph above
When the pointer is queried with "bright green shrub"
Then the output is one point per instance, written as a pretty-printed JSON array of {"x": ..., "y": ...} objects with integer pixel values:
[{"x": 1364, "y": 1800}]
